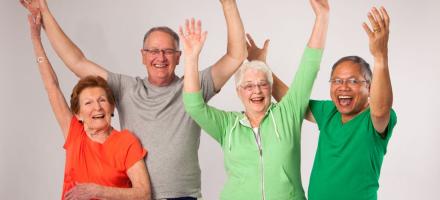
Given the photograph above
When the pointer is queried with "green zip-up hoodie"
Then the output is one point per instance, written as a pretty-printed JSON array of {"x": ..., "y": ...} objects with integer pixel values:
[{"x": 272, "y": 172}]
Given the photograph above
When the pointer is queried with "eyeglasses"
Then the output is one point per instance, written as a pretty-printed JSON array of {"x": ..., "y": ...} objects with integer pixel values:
[
  {"x": 350, "y": 82},
  {"x": 264, "y": 85},
  {"x": 156, "y": 52}
]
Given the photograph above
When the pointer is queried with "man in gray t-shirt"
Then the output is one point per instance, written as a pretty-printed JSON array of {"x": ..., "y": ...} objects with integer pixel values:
[
  {"x": 169, "y": 134},
  {"x": 152, "y": 107}
]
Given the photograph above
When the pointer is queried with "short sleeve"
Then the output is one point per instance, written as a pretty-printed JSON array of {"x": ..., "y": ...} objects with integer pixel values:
[
  {"x": 119, "y": 83},
  {"x": 207, "y": 84},
  {"x": 388, "y": 131},
  {"x": 75, "y": 130},
  {"x": 320, "y": 110},
  {"x": 135, "y": 151}
]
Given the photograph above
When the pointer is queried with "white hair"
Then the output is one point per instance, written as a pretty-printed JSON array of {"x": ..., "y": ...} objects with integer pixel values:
[{"x": 255, "y": 65}]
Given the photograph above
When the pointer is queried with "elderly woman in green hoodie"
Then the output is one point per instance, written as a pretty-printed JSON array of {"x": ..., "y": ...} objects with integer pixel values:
[{"x": 262, "y": 144}]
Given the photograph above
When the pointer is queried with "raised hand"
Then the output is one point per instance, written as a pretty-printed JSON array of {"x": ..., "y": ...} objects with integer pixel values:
[
  {"x": 192, "y": 38},
  {"x": 34, "y": 5},
  {"x": 379, "y": 32},
  {"x": 320, "y": 7},
  {"x": 34, "y": 9},
  {"x": 254, "y": 52}
]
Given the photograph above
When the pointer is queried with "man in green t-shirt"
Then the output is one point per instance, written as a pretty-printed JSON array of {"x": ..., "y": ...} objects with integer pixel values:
[{"x": 356, "y": 125}]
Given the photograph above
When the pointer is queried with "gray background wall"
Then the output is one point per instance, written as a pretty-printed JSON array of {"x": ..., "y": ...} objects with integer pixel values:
[{"x": 110, "y": 33}]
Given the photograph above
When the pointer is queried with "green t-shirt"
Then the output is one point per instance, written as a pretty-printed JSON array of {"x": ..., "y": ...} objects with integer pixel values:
[{"x": 349, "y": 156}]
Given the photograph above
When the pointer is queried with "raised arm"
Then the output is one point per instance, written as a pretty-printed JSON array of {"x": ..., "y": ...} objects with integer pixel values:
[
  {"x": 193, "y": 40},
  {"x": 279, "y": 88},
  {"x": 224, "y": 68},
  {"x": 50, "y": 81},
  {"x": 71, "y": 55},
  {"x": 316, "y": 41},
  {"x": 381, "y": 94},
  {"x": 319, "y": 33}
]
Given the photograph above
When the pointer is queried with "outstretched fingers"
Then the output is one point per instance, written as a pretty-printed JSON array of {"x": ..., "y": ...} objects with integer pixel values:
[
  {"x": 367, "y": 30},
  {"x": 250, "y": 41},
  {"x": 378, "y": 17},
  {"x": 386, "y": 17}
]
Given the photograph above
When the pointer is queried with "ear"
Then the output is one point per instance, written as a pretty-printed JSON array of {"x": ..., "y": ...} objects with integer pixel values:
[
  {"x": 143, "y": 57},
  {"x": 178, "y": 57},
  {"x": 237, "y": 89}
]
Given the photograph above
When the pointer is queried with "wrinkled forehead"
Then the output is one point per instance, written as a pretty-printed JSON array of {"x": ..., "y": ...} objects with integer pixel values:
[
  {"x": 92, "y": 92},
  {"x": 160, "y": 40}
]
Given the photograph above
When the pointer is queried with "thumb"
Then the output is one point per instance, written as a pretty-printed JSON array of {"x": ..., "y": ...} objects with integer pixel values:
[{"x": 266, "y": 45}]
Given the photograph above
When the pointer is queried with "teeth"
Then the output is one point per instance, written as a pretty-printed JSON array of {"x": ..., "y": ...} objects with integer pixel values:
[
  {"x": 159, "y": 65},
  {"x": 257, "y": 99},
  {"x": 98, "y": 116},
  {"x": 344, "y": 97}
]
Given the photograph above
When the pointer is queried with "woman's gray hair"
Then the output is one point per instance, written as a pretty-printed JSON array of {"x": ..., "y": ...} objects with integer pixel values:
[{"x": 256, "y": 65}]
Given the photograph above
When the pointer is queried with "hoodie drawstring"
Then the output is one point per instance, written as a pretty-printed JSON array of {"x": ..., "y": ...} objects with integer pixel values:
[
  {"x": 230, "y": 132},
  {"x": 275, "y": 125}
]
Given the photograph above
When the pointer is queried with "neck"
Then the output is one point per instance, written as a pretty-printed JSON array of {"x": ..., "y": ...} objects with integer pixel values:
[
  {"x": 161, "y": 82},
  {"x": 254, "y": 118},
  {"x": 347, "y": 117},
  {"x": 98, "y": 135}
]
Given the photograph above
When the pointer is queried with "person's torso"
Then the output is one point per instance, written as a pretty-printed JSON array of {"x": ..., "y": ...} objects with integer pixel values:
[
  {"x": 348, "y": 159},
  {"x": 267, "y": 171}
]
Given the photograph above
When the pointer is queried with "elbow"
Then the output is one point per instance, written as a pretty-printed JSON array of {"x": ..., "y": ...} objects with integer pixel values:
[
  {"x": 238, "y": 55},
  {"x": 144, "y": 193},
  {"x": 147, "y": 195}
]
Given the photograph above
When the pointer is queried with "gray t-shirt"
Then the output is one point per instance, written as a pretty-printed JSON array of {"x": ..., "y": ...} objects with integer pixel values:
[{"x": 157, "y": 116}]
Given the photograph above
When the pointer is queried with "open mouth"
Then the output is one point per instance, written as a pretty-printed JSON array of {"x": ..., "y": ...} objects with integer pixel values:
[
  {"x": 100, "y": 116},
  {"x": 257, "y": 100},
  {"x": 345, "y": 100},
  {"x": 162, "y": 65}
]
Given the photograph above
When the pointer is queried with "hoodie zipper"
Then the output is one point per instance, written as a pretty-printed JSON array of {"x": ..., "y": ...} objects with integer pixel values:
[{"x": 260, "y": 151}]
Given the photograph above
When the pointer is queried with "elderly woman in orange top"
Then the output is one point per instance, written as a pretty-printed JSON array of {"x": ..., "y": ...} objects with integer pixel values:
[{"x": 101, "y": 163}]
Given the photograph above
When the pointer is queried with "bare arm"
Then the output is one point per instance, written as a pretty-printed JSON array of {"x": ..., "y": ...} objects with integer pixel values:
[
  {"x": 140, "y": 189},
  {"x": 381, "y": 94},
  {"x": 50, "y": 81},
  {"x": 224, "y": 68},
  {"x": 71, "y": 55}
]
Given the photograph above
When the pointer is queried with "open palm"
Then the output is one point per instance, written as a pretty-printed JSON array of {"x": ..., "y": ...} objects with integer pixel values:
[{"x": 193, "y": 38}]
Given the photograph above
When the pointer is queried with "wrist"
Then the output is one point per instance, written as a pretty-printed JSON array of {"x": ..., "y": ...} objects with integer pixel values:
[
  {"x": 41, "y": 59},
  {"x": 192, "y": 58},
  {"x": 228, "y": 4},
  {"x": 380, "y": 58},
  {"x": 322, "y": 17}
]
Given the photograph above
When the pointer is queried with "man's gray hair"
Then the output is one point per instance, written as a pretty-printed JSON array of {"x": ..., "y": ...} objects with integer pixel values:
[
  {"x": 256, "y": 65},
  {"x": 164, "y": 29},
  {"x": 365, "y": 67}
]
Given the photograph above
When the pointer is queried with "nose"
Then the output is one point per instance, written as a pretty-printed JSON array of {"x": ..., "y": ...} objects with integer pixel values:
[
  {"x": 98, "y": 106},
  {"x": 162, "y": 55},
  {"x": 256, "y": 89},
  {"x": 344, "y": 86}
]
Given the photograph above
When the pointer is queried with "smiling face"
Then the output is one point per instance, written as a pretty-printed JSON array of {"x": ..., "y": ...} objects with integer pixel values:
[
  {"x": 95, "y": 110},
  {"x": 350, "y": 98},
  {"x": 160, "y": 67},
  {"x": 255, "y": 92}
]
